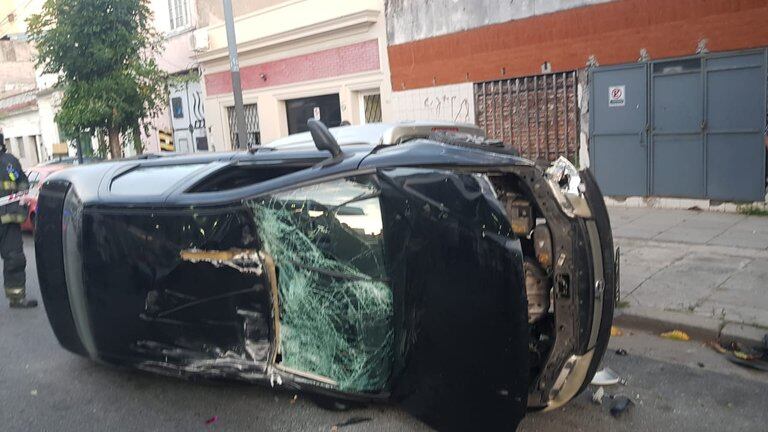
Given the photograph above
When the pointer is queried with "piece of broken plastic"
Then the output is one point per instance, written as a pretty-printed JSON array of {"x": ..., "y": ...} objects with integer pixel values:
[
  {"x": 620, "y": 405},
  {"x": 597, "y": 396},
  {"x": 606, "y": 377}
]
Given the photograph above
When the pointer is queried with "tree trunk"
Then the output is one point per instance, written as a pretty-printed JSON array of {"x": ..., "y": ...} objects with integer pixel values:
[
  {"x": 103, "y": 149},
  {"x": 137, "y": 144},
  {"x": 115, "y": 149}
]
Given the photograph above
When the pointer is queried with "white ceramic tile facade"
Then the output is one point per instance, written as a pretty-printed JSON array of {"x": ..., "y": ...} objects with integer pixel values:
[{"x": 447, "y": 103}]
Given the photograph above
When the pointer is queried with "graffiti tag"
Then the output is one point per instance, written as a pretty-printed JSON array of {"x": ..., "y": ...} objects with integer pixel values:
[{"x": 446, "y": 107}]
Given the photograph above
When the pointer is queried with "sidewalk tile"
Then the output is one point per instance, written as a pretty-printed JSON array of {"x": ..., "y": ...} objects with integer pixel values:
[
  {"x": 686, "y": 234},
  {"x": 686, "y": 283},
  {"x": 644, "y": 233},
  {"x": 740, "y": 314},
  {"x": 737, "y": 237}
]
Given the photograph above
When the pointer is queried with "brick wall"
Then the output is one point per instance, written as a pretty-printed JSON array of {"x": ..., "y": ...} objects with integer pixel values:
[
  {"x": 349, "y": 59},
  {"x": 613, "y": 32}
]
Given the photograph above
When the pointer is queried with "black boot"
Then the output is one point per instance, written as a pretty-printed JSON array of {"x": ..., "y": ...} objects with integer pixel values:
[{"x": 23, "y": 303}]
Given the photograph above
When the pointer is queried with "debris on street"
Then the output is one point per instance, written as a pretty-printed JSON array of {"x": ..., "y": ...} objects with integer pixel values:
[
  {"x": 750, "y": 357},
  {"x": 350, "y": 422},
  {"x": 597, "y": 396},
  {"x": 715, "y": 345},
  {"x": 678, "y": 335},
  {"x": 620, "y": 405},
  {"x": 616, "y": 331},
  {"x": 212, "y": 420},
  {"x": 621, "y": 352},
  {"x": 606, "y": 377}
]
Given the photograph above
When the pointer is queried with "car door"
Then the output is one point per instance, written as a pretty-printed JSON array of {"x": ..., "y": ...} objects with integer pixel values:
[
  {"x": 405, "y": 282},
  {"x": 456, "y": 269}
]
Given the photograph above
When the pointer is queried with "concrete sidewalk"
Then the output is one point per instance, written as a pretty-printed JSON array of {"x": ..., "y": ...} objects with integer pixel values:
[{"x": 699, "y": 271}]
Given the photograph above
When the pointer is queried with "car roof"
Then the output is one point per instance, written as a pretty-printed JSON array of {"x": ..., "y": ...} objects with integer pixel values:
[{"x": 48, "y": 168}]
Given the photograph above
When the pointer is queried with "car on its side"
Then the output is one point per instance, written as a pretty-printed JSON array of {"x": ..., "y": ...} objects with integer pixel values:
[{"x": 412, "y": 263}]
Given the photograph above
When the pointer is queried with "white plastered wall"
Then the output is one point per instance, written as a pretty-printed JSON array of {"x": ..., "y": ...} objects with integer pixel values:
[{"x": 25, "y": 125}]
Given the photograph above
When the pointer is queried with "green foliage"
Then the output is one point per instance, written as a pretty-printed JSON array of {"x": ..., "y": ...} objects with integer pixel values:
[
  {"x": 104, "y": 53},
  {"x": 752, "y": 210}
]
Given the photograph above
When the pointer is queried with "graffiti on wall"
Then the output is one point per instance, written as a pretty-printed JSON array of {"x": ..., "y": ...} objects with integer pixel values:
[
  {"x": 450, "y": 107},
  {"x": 454, "y": 103}
]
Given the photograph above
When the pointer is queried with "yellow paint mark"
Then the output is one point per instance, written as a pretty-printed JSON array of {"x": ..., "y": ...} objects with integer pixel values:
[{"x": 676, "y": 335}]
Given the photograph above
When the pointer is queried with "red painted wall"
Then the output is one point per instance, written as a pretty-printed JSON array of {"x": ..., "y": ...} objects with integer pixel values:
[
  {"x": 613, "y": 32},
  {"x": 359, "y": 57}
]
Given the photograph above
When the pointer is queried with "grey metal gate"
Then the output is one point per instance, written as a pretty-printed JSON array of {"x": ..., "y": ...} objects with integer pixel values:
[
  {"x": 690, "y": 127},
  {"x": 736, "y": 120},
  {"x": 619, "y": 145},
  {"x": 677, "y": 128}
]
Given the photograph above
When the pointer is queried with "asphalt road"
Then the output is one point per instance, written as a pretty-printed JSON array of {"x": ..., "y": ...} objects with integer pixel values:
[{"x": 44, "y": 388}]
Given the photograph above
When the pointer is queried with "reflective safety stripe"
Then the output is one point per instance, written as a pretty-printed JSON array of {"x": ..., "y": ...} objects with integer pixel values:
[
  {"x": 12, "y": 218},
  {"x": 9, "y": 185},
  {"x": 14, "y": 293}
]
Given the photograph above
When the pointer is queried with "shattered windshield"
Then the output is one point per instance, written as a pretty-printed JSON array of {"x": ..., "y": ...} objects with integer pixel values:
[{"x": 335, "y": 302}]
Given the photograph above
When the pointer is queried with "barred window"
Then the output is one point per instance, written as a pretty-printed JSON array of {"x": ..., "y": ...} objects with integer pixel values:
[
  {"x": 372, "y": 108},
  {"x": 251, "y": 125}
]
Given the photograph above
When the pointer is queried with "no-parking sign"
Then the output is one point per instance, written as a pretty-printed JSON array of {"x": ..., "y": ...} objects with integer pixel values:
[{"x": 617, "y": 96}]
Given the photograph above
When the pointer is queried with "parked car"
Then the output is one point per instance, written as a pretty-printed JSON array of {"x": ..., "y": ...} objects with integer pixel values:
[
  {"x": 36, "y": 176},
  {"x": 71, "y": 160},
  {"x": 409, "y": 263}
]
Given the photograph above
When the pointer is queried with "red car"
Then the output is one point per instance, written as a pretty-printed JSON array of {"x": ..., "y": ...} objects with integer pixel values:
[{"x": 37, "y": 176}]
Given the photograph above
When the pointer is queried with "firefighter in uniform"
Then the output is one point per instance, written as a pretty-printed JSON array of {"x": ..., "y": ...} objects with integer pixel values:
[{"x": 12, "y": 214}]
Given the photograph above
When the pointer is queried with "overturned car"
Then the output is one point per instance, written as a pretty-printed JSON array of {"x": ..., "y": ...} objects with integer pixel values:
[{"x": 413, "y": 263}]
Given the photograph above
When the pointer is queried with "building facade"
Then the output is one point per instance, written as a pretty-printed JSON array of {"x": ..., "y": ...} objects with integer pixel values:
[
  {"x": 20, "y": 117},
  {"x": 21, "y": 127},
  {"x": 658, "y": 98},
  {"x": 299, "y": 59},
  {"x": 17, "y": 66},
  {"x": 181, "y": 127}
]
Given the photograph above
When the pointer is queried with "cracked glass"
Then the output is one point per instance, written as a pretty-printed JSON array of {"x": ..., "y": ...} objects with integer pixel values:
[{"x": 335, "y": 301}]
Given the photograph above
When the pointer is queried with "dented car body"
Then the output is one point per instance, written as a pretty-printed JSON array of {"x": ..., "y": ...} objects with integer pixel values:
[{"x": 414, "y": 266}]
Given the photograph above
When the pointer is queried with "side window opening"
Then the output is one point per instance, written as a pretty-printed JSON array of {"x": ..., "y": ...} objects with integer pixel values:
[{"x": 235, "y": 176}]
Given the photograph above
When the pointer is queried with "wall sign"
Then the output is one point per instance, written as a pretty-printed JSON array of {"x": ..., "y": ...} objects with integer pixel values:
[{"x": 617, "y": 96}]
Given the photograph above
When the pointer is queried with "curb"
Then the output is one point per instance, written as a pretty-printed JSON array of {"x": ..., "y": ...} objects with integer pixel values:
[{"x": 699, "y": 328}]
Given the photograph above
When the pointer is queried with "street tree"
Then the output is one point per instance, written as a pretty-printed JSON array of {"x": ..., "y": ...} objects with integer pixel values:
[{"x": 103, "y": 52}]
